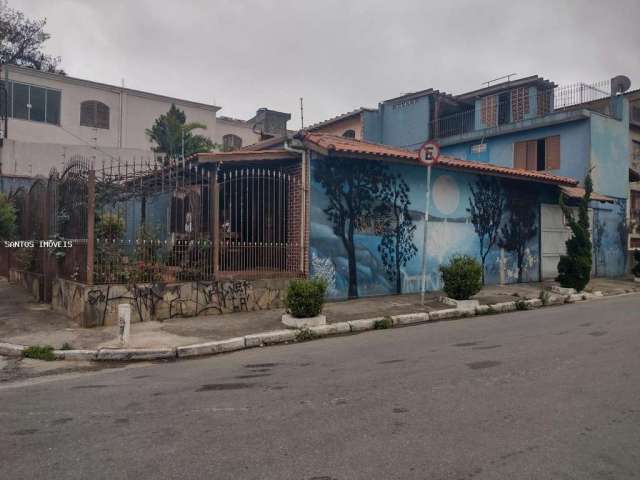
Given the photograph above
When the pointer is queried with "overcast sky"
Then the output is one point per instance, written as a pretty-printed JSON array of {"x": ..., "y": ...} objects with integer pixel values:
[{"x": 338, "y": 55}]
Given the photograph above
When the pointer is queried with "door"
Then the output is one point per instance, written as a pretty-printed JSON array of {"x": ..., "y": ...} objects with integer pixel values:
[{"x": 554, "y": 234}]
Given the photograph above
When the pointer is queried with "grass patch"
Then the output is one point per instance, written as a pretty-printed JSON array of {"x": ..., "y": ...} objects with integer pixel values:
[
  {"x": 521, "y": 305},
  {"x": 40, "y": 352},
  {"x": 544, "y": 297},
  {"x": 383, "y": 323},
  {"x": 305, "y": 334}
]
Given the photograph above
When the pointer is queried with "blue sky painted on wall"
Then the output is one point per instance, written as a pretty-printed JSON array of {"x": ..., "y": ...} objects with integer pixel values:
[{"x": 450, "y": 232}]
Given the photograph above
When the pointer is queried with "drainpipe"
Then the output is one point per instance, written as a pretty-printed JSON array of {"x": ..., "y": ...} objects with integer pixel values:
[{"x": 304, "y": 220}]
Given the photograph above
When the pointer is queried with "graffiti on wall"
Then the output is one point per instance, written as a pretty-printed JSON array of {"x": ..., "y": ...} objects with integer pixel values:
[{"x": 160, "y": 301}]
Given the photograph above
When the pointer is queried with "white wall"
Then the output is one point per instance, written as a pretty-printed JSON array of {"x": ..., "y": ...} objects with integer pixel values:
[
  {"x": 241, "y": 129},
  {"x": 34, "y": 147}
]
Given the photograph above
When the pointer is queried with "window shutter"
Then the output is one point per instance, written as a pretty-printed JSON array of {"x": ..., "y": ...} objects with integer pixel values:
[
  {"x": 520, "y": 155},
  {"x": 552, "y": 152},
  {"x": 532, "y": 155}
]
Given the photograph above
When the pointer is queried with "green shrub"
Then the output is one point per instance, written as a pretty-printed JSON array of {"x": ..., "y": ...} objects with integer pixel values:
[
  {"x": 66, "y": 346},
  {"x": 574, "y": 268},
  {"x": 40, "y": 352},
  {"x": 383, "y": 323},
  {"x": 462, "y": 277},
  {"x": 305, "y": 298},
  {"x": 636, "y": 268},
  {"x": 8, "y": 219}
]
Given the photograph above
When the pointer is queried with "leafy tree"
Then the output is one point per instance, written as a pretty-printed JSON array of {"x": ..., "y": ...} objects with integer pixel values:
[
  {"x": 396, "y": 247},
  {"x": 574, "y": 268},
  {"x": 485, "y": 206},
  {"x": 168, "y": 131},
  {"x": 520, "y": 226},
  {"x": 22, "y": 40},
  {"x": 351, "y": 189},
  {"x": 7, "y": 219}
]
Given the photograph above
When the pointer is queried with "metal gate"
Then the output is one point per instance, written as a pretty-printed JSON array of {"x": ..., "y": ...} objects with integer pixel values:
[{"x": 554, "y": 234}]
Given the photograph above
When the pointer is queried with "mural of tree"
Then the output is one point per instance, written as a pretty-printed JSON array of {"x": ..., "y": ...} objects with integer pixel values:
[
  {"x": 485, "y": 206},
  {"x": 352, "y": 189},
  {"x": 520, "y": 226},
  {"x": 396, "y": 247}
]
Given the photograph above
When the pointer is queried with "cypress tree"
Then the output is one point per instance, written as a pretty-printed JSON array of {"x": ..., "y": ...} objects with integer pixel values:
[{"x": 574, "y": 268}]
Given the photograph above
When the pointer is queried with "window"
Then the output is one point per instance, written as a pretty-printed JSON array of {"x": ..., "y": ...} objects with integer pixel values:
[
  {"x": 635, "y": 154},
  {"x": 94, "y": 114},
  {"x": 231, "y": 142},
  {"x": 540, "y": 154},
  {"x": 488, "y": 111},
  {"x": 349, "y": 134},
  {"x": 519, "y": 103},
  {"x": 30, "y": 102}
]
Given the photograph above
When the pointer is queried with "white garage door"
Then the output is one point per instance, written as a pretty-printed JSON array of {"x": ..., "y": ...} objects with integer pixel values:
[{"x": 554, "y": 235}]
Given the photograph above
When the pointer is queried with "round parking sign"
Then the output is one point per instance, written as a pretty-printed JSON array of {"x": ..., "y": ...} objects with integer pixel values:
[{"x": 429, "y": 153}]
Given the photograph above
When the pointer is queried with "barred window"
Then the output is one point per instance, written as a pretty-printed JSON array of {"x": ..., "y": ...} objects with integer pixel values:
[
  {"x": 349, "y": 134},
  {"x": 519, "y": 103},
  {"x": 94, "y": 114},
  {"x": 231, "y": 142}
]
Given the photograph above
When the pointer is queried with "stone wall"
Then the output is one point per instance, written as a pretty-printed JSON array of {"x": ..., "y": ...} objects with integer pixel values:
[
  {"x": 32, "y": 282},
  {"x": 97, "y": 305}
]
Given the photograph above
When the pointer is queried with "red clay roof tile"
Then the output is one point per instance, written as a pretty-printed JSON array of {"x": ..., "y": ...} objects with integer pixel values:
[{"x": 333, "y": 143}]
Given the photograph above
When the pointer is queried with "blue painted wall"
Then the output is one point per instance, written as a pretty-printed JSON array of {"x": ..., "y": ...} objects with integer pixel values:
[
  {"x": 401, "y": 123},
  {"x": 609, "y": 152},
  {"x": 450, "y": 232},
  {"x": 574, "y": 148},
  {"x": 609, "y": 250}
]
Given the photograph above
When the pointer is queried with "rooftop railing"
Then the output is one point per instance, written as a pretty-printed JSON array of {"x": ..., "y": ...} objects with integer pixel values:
[{"x": 517, "y": 104}]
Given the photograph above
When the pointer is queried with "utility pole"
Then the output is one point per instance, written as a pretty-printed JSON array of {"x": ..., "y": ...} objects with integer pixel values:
[{"x": 301, "y": 114}]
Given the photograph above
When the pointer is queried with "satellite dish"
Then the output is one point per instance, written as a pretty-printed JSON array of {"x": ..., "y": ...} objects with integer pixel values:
[{"x": 620, "y": 84}]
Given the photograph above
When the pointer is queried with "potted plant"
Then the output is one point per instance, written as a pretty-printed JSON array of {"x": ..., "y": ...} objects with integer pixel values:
[{"x": 304, "y": 302}]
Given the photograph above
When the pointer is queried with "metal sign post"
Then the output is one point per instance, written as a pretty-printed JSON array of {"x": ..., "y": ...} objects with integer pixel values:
[{"x": 428, "y": 155}]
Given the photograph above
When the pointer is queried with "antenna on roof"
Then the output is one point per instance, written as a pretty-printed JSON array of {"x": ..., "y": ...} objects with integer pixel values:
[
  {"x": 508, "y": 77},
  {"x": 301, "y": 114}
]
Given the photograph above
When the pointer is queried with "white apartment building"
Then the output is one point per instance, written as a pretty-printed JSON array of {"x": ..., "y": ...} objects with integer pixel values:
[{"x": 52, "y": 117}]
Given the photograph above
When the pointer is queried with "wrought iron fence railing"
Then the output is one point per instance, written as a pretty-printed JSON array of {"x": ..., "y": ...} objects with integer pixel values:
[{"x": 520, "y": 104}]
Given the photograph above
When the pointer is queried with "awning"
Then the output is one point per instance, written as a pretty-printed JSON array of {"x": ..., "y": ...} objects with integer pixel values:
[{"x": 578, "y": 192}]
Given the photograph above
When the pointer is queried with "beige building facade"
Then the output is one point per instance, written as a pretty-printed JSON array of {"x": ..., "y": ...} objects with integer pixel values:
[{"x": 52, "y": 117}]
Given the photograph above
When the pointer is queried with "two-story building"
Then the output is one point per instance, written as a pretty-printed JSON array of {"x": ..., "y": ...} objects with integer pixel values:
[
  {"x": 50, "y": 118},
  {"x": 525, "y": 125}
]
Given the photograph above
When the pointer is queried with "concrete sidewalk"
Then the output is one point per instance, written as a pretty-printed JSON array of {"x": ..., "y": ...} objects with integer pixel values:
[{"x": 25, "y": 322}]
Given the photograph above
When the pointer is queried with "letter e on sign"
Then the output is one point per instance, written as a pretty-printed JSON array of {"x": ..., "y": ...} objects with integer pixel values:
[{"x": 429, "y": 153}]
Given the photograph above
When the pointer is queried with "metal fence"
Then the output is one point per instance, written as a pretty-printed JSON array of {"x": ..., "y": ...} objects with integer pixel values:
[
  {"x": 144, "y": 221},
  {"x": 515, "y": 105}
]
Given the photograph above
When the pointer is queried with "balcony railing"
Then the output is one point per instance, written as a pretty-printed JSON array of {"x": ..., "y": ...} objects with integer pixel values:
[{"x": 522, "y": 104}]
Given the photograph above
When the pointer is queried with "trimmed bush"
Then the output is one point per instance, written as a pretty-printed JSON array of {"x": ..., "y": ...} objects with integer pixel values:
[
  {"x": 40, "y": 352},
  {"x": 636, "y": 268},
  {"x": 462, "y": 277},
  {"x": 305, "y": 298}
]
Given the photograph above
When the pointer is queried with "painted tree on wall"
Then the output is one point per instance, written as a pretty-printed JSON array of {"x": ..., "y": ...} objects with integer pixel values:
[
  {"x": 352, "y": 189},
  {"x": 485, "y": 206},
  {"x": 396, "y": 247},
  {"x": 520, "y": 226}
]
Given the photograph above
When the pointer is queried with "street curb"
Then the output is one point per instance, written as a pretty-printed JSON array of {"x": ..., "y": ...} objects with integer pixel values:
[
  {"x": 11, "y": 349},
  {"x": 291, "y": 335}
]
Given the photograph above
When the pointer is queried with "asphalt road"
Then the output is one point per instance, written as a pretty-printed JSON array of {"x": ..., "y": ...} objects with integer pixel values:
[{"x": 546, "y": 394}]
